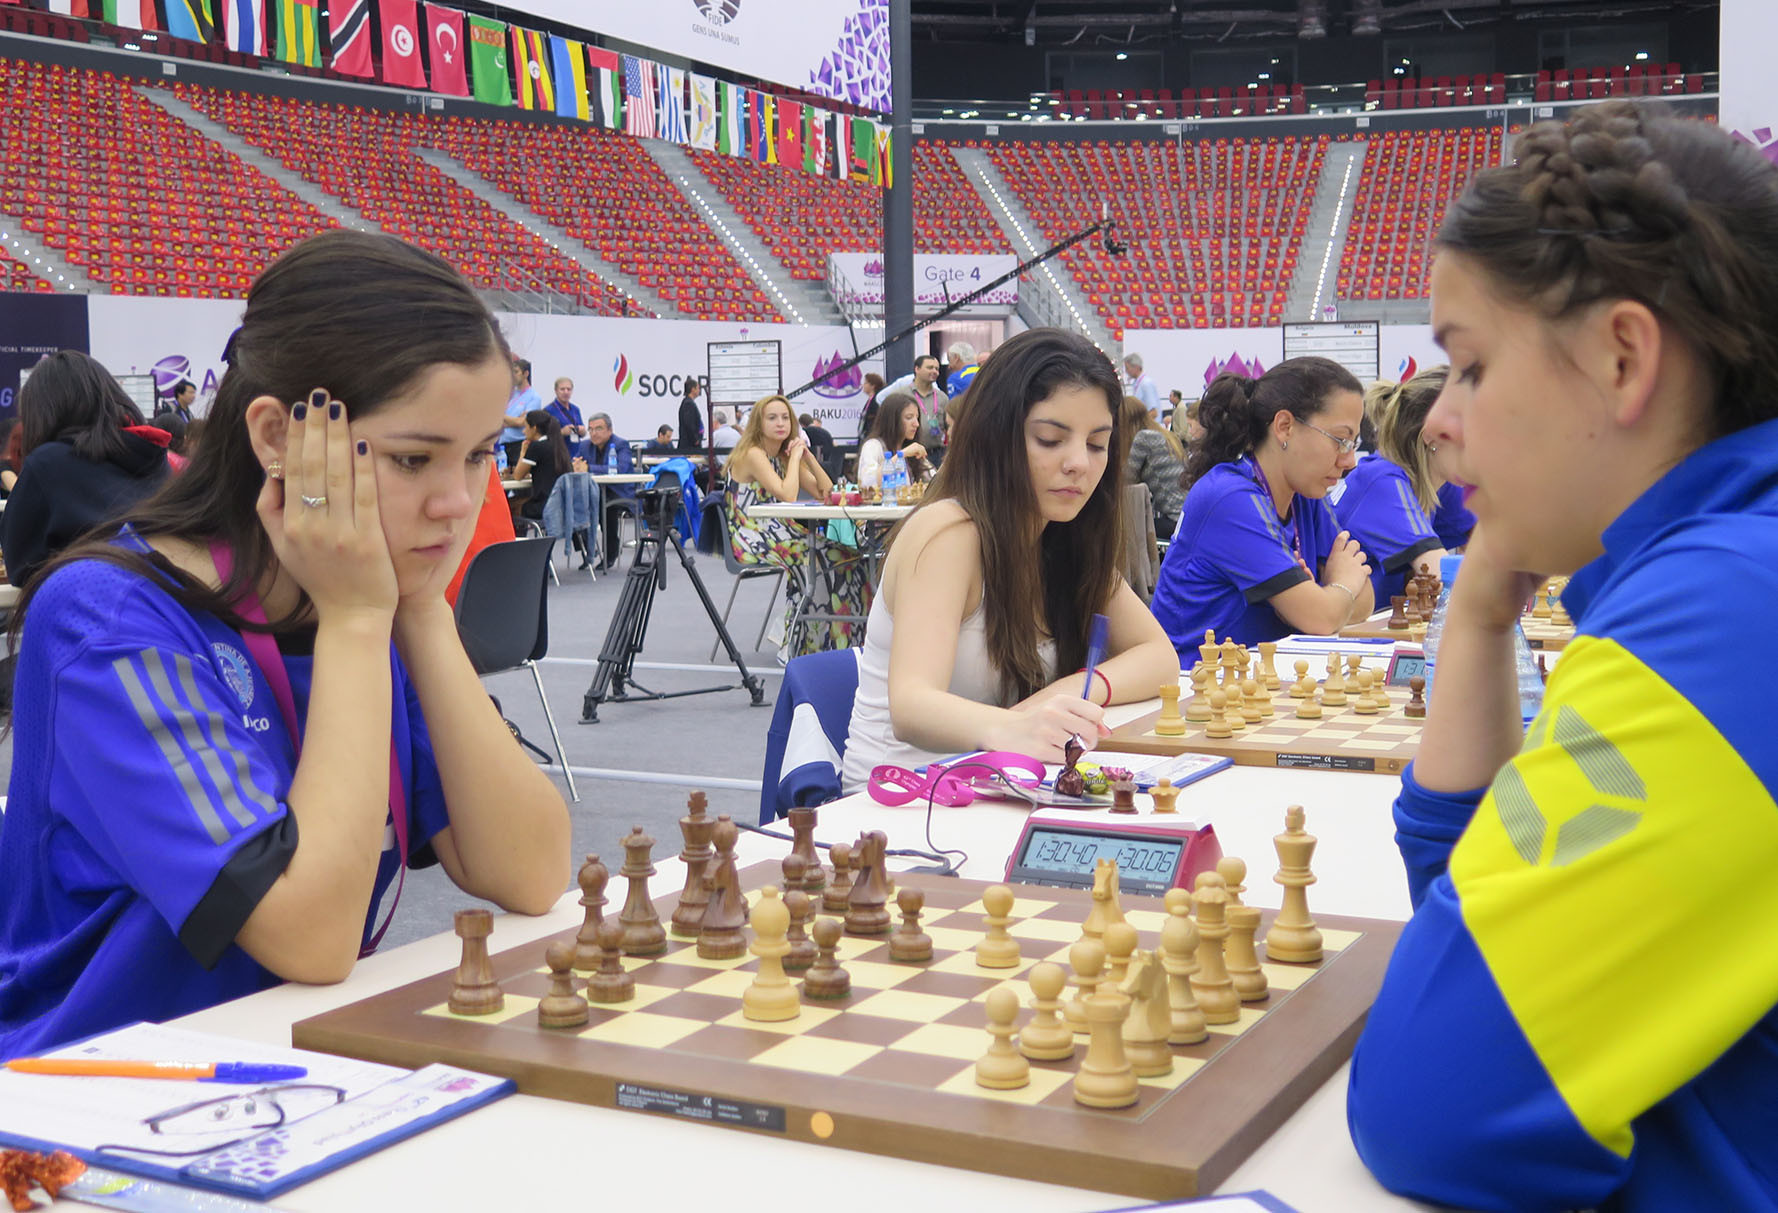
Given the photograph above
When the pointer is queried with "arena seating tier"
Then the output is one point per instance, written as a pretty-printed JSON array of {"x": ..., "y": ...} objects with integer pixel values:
[
  {"x": 15, "y": 275},
  {"x": 130, "y": 194},
  {"x": 1215, "y": 226},
  {"x": 1409, "y": 178}
]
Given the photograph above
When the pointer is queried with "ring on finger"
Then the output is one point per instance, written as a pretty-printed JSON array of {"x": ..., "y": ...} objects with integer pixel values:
[{"x": 314, "y": 503}]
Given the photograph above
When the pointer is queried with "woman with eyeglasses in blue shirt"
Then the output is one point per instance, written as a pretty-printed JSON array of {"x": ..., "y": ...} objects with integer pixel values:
[{"x": 1258, "y": 553}]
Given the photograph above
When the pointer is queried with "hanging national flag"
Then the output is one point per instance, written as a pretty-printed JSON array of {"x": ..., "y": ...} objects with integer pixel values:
[
  {"x": 68, "y": 8},
  {"x": 568, "y": 64},
  {"x": 815, "y": 141},
  {"x": 605, "y": 88},
  {"x": 348, "y": 33},
  {"x": 862, "y": 158},
  {"x": 703, "y": 112},
  {"x": 132, "y": 14},
  {"x": 298, "y": 23},
  {"x": 191, "y": 20},
  {"x": 884, "y": 176},
  {"x": 790, "y": 134},
  {"x": 529, "y": 64},
  {"x": 444, "y": 47},
  {"x": 487, "y": 61},
  {"x": 639, "y": 99},
  {"x": 731, "y": 124},
  {"x": 243, "y": 26},
  {"x": 669, "y": 120},
  {"x": 761, "y": 115},
  {"x": 401, "y": 47}
]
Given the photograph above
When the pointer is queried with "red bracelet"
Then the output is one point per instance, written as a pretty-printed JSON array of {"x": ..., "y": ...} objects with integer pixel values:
[{"x": 1100, "y": 675}]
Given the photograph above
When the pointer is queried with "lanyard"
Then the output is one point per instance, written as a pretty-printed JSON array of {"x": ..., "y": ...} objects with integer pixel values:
[
  {"x": 1296, "y": 527},
  {"x": 271, "y": 663}
]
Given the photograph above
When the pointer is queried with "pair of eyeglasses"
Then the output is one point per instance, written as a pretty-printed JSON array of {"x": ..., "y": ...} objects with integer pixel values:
[{"x": 1346, "y": 445}]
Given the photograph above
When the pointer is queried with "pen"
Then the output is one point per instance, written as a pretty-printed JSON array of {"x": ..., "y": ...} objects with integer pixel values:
[
  {"x": 1095, "y": 650},
  {"x": 201, "y": 1071}
]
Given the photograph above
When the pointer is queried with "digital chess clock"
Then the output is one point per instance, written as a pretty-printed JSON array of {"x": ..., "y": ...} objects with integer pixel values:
[{"x": 1154, "y": 852}]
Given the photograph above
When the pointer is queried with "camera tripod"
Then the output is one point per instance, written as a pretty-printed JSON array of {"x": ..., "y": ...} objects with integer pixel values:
[{"x": 629, "y": 624}]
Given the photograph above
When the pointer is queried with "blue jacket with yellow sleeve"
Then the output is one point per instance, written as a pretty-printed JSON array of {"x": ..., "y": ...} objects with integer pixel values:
[{"x": 1583, "y": 1009}]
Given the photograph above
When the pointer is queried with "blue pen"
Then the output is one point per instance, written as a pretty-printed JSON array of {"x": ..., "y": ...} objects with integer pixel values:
[{"x": 1096, "y": 638}]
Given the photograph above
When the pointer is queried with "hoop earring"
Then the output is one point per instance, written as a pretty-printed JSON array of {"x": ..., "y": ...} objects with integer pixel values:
[{"x": 275, "y": 469}]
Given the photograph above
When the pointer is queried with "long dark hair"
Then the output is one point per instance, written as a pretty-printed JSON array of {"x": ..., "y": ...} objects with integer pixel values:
[
  {"x": 358, "y": 314},
  {"x": 886, "y": 428},
  {"x": 545, "y": 423},
  {"x": 986, "y": 471},
  {"x": 71, "y": 398},
  {"x": 1236, "y": 411},
  {"x": 1626, "y": 201}
]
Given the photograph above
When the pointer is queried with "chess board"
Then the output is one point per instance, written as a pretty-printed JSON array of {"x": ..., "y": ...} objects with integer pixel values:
[
  {"x": 890, "y": 1068},
  {"x": 1545, "y": 636},
  {"x": 1377, "y": 628},
  {"x": 1342, "y": 740}
]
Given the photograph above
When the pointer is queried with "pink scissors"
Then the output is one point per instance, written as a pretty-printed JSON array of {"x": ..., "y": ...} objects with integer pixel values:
[{"x": 958, "y": 783}]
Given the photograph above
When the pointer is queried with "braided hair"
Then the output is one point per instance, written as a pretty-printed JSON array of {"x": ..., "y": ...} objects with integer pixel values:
[{"x": 1627, "y": 201}]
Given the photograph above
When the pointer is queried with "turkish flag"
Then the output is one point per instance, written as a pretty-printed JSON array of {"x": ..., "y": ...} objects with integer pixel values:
[
  {"x": 401, "y": 48},
  {"x": 444, "y": 29}
]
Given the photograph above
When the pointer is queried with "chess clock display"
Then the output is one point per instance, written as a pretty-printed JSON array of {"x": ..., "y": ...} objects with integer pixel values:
[
  {"x": 1405, "y": 664},
  {"x": 1061, "y": 849}
]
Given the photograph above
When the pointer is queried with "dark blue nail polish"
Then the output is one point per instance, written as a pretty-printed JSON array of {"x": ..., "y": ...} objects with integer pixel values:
[
  {"x": 299, "y": 412},
  {"x": 333, "y": 411},
  {"x": 317, "y": 398},
  {"x": 363, "y": 447}
]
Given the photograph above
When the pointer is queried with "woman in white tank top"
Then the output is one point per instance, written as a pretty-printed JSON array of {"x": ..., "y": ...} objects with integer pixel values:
[{"x": 977, "y": 637}]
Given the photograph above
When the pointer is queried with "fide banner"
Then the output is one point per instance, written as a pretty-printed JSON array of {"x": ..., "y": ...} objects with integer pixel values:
[
  {"x": 31, "y": 326},
  {"x": 1187, "y": 360},
  {"x": 834, "y": 48}
]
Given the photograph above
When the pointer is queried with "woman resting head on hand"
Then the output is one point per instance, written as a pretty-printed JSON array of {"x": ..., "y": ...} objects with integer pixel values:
[
  {"x": 243, "y": 714},
  {"x": 978, "y": 633}
]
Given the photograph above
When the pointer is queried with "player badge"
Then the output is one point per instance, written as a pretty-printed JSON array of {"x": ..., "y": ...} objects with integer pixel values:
[{"x": 235, "y": 671}]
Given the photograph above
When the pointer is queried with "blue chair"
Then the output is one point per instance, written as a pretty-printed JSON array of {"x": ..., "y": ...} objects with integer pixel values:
[{"x": 807, "y": 738}]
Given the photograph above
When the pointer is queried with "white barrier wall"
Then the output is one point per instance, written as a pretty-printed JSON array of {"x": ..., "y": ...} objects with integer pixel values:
[
  {"x": 1188, "y": 359},
  {"x": 633, "y": 369},
  {"x": 1749, "y": 104}
]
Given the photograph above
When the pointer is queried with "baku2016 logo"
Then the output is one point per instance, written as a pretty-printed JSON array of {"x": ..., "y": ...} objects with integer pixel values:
[
  {"x": 622, "y": 380},
  {"x": 719, "y": 12},
  {"x": 835, "y": 380}
]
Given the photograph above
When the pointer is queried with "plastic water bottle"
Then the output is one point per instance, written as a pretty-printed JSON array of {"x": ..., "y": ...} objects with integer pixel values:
[
  {"x": 1530, "y": 678},
  {"x": 895, "y": 475},
  {"x": 1435, "y": 627}
]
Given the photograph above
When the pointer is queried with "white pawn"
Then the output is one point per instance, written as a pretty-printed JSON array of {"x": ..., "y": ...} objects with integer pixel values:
[
  {"x": 771, "y": 997},
  {"x": 1120, "y": 949},
  {"x": 999, "y": 950},
  {"x": 1047, "y": 1037},
  {"x": 1002, "y": 1067},
  {"x": 1087, "y": 957},
  {"x": 1179, "y": 957}
]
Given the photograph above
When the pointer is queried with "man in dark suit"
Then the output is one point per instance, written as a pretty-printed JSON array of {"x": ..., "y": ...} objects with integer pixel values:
[{"x": 691, "y": 418}]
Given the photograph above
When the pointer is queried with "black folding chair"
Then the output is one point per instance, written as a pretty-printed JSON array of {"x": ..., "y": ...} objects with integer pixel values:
[{"x": 503, "y": 620}]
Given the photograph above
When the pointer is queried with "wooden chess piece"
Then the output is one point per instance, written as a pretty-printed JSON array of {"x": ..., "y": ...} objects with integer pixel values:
[
  {"x": 1415, "y": 708},
  {"x": 1559, "y": 616},
  {"x": 1150, "y": 1020},
  {"x": 725, "y": 910},
  {"x": 1219, "y": 719},
  {"x": 1268, "y": 666},
  {"x": 1304, "y": 686},
  {"x": 867, "y": 910},
  {"x": 1211, "y": 984},
  {"x": 802, "y": 949},
  {"x": 1236, "y": 715},
  {"x": 697, "y": 828},
  {"x": 1250, "y": 709},
  {"x": 1106, "y": 1078},
  {"x": 1106, "y": 908},
  {"x": 643, "y": 933},
  {"x": 1165, "y": 795},
  {"x": 833, "y": 897},
  {"x": 792, "y": 867},
  {"x": 910, "y": 944},
  {"x": 592, "y": 880},
  {"x": 1294, "y": 936},
  {"x": 770, "y": 998},
  {"x": 802, "y": 832},
  {"x": 1120, "y": 949},
  {"x": 612, "y": 982},
  {"x": 1354, "y": 663},
  {"x": 1309, "y": 707},
  {"x": 1087, "y": 959},
  {"x": 1047, "y": 1037},
  {"x": 1233, "y": 870},
  {"x": 825, "y": 979},
  {"x": 562, "y": 1007},
  {"x": 1170, "y": 723},
  {"x": 1333, "y": 691},
  {"x": 1263, "y": 699},
  {"x": 1197, "y": 709},
  {"x": 1240, "y": 956},
  {"x": 473, "y": 990},
  {"x": 998, "y": 950},
  {"x": 1398, "y": 612},
  {"x": 1179, "y": 948},
  {"x": 1002, "y": 1067},
  {"x": 1365, "y": 705},
  {"x": 1380, "y": 691},
  {"x": 1541, "y": 602},
  {"x": 1231, "y": 664}
]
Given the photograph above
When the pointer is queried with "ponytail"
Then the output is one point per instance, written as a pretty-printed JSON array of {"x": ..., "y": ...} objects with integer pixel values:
[{"x": 1236, "y": 411}]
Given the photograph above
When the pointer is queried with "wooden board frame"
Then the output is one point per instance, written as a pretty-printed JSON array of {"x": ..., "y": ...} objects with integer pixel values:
[{"x": 1182, "y": 1139}]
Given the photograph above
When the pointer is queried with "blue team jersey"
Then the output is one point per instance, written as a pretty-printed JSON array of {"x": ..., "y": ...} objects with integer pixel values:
[
  {"x": 146, "y": 813},
  {"x": 1452, "y": 521},
  {"x": 1377, "y": 507},
  {"x": 1231, "y": 553},
  {"x": 1583, "y": 1010}
]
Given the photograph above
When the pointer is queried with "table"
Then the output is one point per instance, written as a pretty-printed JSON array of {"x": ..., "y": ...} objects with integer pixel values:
[
  {"x": 536, "y": 1154},
  {"x": 822, "y": 560},
  {"x": 622, "y": 478},
  {"x": 516, "y": 486},
  {"x": 649, "y": 461}
]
